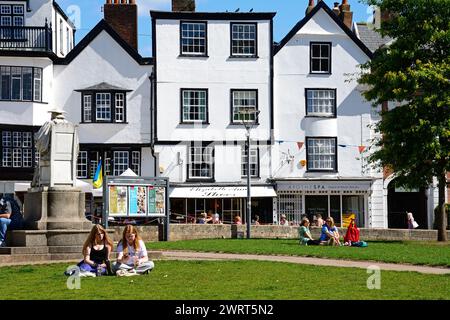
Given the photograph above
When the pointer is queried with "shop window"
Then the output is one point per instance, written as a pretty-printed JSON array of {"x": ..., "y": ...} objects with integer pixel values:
[
  {"x": 353, "y": 205},
  {"x": 316, "y": 205}
]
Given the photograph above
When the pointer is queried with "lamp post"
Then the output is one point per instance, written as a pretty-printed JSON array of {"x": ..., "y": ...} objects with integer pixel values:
[{"x": 248, "y": 124}]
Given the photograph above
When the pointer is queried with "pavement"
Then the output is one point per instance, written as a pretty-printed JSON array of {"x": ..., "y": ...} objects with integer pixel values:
[{"x": 193, "y": 255}]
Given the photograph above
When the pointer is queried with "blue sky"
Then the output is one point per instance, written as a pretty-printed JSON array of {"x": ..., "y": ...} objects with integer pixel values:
[{"x": 87, "y": 13}]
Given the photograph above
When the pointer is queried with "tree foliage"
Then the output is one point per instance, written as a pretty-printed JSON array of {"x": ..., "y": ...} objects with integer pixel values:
[{"x": 414, "y": 72}]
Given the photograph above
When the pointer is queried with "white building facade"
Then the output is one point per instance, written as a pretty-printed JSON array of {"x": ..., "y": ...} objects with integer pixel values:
[
  {"x": 209, "y": 67},
  {"x": 322, "y": 125}
]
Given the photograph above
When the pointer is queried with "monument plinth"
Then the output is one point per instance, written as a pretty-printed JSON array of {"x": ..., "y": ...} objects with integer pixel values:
[{"x": 53, "y": 202}]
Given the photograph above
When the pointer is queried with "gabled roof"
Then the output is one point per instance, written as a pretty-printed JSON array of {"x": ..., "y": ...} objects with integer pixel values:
[
  {"x": 103, "y": 26},
  {"x": 104, "y": 86},
  {"x": 304, "y": 21}
]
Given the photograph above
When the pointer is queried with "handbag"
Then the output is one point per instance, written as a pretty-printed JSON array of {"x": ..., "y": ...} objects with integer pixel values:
[{"x": 415, "y": 224}]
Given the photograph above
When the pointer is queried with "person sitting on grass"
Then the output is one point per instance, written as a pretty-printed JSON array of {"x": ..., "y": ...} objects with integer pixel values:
[
  {"x": 330, "y": 234},
  {"x": 132, "y": 253},
  {"x": 305, "y": 235},
  {"x": 96, "y": 251}
]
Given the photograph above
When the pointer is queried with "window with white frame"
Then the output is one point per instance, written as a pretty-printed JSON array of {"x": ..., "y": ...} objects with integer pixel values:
[
  {"x": 11, "y": 16},
  {"x": 243, "y": 39},
  {"x": 120, "y": 162},
  {"x": 254, "y": 162},
  {"x": 193, "y": 38},
  {"x": 61, "y": 36},
  {"x": 201, "y": 164},
  {"x": 194, "y": 105},
  {"x": 87, "y": 108},
  {"x": 67, "y": 40},
  {"x": 103, "y": 107},
  {"x": 321, "y": 154},
  {"x": 321, "y": 102},
  {"x": 136, "y": 162},
  {"x": 320, "y": 57},
  {"x": 17, "y": 149},
  {"x": 245, "y": 105},
  {"x": 82, "y": 165},
  {"x": 120, "y": 107},
  {"x": 20, "y": 83}
]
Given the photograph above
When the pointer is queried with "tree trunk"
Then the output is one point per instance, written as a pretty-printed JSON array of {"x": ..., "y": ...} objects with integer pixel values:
[{"x": 441, "y": 216}]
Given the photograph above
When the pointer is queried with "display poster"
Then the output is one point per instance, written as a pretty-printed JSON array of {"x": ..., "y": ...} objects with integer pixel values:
[
  {"x": 151, "y": 200},
  {"x": 160, "y": 200},
  {"x": 133, "y": 201},
  {"x": 118, "y": 196},
  {"x": 347, "y": 219}
]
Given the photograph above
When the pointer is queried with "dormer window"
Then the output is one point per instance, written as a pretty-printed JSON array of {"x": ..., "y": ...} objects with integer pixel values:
[
  {"x": 320, "y": 57},
  {"x": 103, "y": 103},
  {"x": 193, "y": 38}
]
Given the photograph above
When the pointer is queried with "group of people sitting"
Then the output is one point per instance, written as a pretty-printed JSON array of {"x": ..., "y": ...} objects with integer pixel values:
[
  {"x": 330, "y": 234},
  {"x": 132, "y": 256}
]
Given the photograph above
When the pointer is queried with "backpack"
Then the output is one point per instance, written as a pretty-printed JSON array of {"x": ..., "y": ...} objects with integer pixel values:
[{"x": 361, "y": 244}]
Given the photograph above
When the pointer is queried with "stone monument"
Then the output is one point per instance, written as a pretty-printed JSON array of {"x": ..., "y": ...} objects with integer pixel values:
[{"x": 53, "y": 202}]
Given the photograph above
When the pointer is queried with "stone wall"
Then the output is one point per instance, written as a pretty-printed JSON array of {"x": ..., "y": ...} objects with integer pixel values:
[{"x": 201, "y": 231}]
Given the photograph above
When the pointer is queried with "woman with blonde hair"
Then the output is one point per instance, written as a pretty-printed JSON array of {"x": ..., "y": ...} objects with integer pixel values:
[
  {"x": 330, "y": 234},
  {"x": 132, "y": 253},
  {"x": 96, "y": 251}
]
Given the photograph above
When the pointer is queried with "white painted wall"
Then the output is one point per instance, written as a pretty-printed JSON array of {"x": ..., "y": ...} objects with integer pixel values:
[
  {"x": 105, "y": 61},
  {"x": 292, "y": 77},
  {"x": 29, "y": 113},
  {"x": 218, "y": 73}
]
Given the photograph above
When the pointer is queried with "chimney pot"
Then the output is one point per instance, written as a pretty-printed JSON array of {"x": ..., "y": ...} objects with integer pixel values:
[
  {"x": 336, "y": 8},
  {"x": 122, "y": 16},
  {"x": 183, "y": 5},
  {"x": 310, "y": 7}
]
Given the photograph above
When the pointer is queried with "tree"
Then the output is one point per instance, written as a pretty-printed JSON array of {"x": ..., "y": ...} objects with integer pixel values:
[{"x": 413, "y": 71}]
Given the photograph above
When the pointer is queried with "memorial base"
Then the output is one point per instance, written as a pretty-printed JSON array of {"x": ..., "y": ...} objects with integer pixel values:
[{"x": 57, "y": 208}]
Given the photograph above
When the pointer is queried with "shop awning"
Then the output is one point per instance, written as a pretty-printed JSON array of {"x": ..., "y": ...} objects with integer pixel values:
[{"x": 221, "y": 192}]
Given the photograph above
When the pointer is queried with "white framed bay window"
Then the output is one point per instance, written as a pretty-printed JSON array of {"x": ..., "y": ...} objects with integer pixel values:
[{"x": 321, "y": 153}]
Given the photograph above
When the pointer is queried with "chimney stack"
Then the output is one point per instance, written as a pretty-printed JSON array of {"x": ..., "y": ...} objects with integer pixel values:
[
  {"x": 122, "y": 16},
  {"x": 183, "y": 5},
  {"x": 310, "y": 7},
  {"x": 336, "y": 9},
  {"x": 346, "y": 15}
]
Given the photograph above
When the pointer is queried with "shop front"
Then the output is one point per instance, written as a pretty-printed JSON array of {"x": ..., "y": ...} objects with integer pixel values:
[
  {"x": 188, "y": 203},
  {"x": 339, "y": 199}
]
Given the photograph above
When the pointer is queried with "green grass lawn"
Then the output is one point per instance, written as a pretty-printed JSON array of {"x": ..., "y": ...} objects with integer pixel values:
[
  {"x": 420, "y": 253},
  {"x": 223, "y": 280}
]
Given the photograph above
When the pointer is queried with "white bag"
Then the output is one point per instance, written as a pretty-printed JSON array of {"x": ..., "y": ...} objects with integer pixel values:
[{"x": 415, "y": 224}]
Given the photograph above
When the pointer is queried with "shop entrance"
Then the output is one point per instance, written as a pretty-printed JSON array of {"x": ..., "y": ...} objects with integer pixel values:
[{"x": 401, "y": 200}]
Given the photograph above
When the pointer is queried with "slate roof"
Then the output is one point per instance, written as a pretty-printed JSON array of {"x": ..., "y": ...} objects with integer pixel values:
[
  {"x": 370, "y": 37},
  {"x": 104, "y": 86}
]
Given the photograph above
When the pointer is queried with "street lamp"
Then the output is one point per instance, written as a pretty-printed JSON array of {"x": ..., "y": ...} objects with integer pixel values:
[{"x": 246, "y": 119}]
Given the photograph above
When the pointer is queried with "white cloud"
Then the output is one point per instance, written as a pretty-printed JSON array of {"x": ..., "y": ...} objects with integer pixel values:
[{"x": 144, "y": 6}]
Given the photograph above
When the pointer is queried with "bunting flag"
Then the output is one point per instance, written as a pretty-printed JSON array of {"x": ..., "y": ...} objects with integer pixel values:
[
  {"x": 299, "y": 145},
  {"x": 361, "y": 149}
]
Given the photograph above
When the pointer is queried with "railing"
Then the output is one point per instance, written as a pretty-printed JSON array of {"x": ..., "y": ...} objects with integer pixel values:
[{"x": 26, "y": 38}]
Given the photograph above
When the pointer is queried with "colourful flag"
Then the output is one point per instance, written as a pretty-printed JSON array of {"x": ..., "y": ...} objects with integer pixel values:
[
  {"x": 98, "y": 177},
  {"x": 299, "y": 144},
  {"x": 361, "y": 149}
]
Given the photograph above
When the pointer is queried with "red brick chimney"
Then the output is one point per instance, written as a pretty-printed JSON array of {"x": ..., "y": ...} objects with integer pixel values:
[
  {"x": 183, "y": 5},
  {"x": 122, "y": 15},
  {"x": 346, "y": 15},
  {"x": 310, "y": 7}
]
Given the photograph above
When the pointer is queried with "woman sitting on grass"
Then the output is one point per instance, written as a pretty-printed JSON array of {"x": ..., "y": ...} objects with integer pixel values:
[
  {"x": 330, "y": 234},
  {"x": 132, "y": 253},
  {"x": 96, "y": 251},
  {"x": 305, "y": 235}
]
